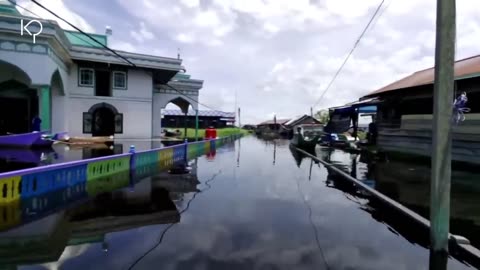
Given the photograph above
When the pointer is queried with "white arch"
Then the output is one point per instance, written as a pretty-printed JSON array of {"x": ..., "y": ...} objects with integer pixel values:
[
  {"x": 38, "y": 67},
  {"x": 161, "y": 100},
  {"x": 10, "y": 71}
]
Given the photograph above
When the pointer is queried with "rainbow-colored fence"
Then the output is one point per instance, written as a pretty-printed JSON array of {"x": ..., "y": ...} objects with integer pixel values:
[{"x": 32, "y": 183}]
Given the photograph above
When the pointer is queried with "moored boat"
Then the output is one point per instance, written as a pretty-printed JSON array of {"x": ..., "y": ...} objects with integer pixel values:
[
  {"x": 108, "y": 140},
  {"x": 304, "y": 142},
  {"x": 306, "y": 137},
  {"x": 25, "y": 140}
]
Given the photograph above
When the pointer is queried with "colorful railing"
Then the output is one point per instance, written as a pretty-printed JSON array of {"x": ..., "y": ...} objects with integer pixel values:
[{"x": 30, "y": 189}]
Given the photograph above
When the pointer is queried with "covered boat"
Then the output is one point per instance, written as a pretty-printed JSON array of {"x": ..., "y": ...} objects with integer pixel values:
[{"x": 305, "y": 140}]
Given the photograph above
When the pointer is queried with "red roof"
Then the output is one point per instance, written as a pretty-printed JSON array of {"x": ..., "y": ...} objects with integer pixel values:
[{"x": 468, "y": 67}]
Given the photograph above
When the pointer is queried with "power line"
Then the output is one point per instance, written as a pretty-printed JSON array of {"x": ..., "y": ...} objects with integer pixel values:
[
  {"x": 380, "y": 15},
  {"x": 313, "y": 224},
  {"x": 79, "y": 30},
  {"x": 105, "y": 48},
  {"x": 349, "y": 54}
]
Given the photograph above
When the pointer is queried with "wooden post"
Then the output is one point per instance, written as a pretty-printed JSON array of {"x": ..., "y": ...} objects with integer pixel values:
[{"x": 442, "y": 115}]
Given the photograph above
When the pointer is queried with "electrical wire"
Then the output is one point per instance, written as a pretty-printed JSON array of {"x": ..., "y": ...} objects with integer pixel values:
[
  {"x": 162, "y": 235},
  {"x": 313, "y": 224},
  {"x": 349, "y": 54},
  {"x": 106, "y": 48},
  {"x": 79, "y": 30}
]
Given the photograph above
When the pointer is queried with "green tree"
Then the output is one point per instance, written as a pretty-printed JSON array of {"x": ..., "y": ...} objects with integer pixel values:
[{"x": 322, "y": 116}]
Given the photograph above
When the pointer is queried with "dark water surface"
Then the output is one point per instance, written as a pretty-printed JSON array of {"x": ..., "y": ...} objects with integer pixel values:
[
  {"x": 253, "y": 206},
  {"x": 408, "y": 182}
]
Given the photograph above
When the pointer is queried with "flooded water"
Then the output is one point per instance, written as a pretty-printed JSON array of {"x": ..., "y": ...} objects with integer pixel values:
[
  {"x": 409, "y": 183},
  {"x": 254, "y": 205}
]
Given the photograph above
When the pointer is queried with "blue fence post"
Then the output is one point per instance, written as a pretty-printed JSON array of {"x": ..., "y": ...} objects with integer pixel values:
[
  {"x": 132, "y": 166},
  {"x": 185, "y": 154}
]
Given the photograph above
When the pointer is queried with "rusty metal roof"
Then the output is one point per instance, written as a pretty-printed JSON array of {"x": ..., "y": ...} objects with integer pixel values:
[{"x": 465, "y": 68}]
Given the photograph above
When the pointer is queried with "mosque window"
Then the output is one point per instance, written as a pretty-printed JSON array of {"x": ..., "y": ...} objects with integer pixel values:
[
  {"x": 119, "y": 80},
  {"x": 85, "y": 77}
]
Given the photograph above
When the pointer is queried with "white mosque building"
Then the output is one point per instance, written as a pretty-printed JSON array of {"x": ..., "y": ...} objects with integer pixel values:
[{"x": 76, "y": 85}]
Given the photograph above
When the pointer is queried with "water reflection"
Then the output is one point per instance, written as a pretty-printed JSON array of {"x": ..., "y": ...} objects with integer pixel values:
[
  {"x": 404, "y": 191},
  {"x": 16, "y": 159},
  {"x": 409, "y": 184},
  {"x": 52, "y": 223},
  {"x": 260, "y": 221}
]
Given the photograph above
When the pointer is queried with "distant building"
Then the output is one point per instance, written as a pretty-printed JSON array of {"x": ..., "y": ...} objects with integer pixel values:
[
  {"x": 217, "y": 119},
  {"x": 404, "y": 115},
  {"x": 302, "y": 120},
  {"x": 272, "y": 125},
  {"x": 249, "y": 127}
]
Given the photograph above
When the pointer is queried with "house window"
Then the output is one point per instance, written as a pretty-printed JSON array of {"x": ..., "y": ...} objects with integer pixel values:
[
  {"x": 85, "y": 77},
  {"x": 119, "y": 80}
]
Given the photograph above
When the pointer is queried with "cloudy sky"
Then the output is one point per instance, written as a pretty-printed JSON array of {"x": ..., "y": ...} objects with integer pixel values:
[{"x": 277, "y": 55}]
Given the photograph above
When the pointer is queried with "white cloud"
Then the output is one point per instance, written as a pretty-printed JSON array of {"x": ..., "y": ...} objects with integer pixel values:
[
  {"x": 58, "y": 7},
  {"x": 279, "y": 55},
  {"x": 142, "y": 34}
]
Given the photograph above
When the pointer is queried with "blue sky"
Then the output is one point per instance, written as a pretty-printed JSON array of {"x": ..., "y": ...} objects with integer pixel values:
[{"x": 278, "y": 55}]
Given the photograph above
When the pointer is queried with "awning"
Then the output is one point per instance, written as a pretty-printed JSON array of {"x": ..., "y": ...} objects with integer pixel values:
[
  {"x": 360, "y": 104},
  {"x": 368, "y": 109}
]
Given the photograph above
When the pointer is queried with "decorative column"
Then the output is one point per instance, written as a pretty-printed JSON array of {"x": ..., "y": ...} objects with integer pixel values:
[{"x": 44, "y": 101}]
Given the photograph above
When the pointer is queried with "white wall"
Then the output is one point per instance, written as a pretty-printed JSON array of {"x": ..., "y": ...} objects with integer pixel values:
[
  {"x": 137, "y": 116},
  {"x": 73, "y": 87},
  {"x": 39, "y": 67},
  {"x": 139, "y": 85},
  {"x": 59, "y": 118},
  {"x": 135, "y": 103}
]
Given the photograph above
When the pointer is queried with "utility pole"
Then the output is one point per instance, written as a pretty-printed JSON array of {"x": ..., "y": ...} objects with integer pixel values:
[
  {"x": 239, "y": 120},
  {"x": 442, "y": 121},
  {"x": 235, "y": 109},
  {"x": 311, "y": 112}
]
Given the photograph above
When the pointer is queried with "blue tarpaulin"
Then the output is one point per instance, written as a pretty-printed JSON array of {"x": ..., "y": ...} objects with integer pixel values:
[{"x": 367, "y": 109}]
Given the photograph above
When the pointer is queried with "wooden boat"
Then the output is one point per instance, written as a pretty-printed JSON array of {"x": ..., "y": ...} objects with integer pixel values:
[
  {"x": 108, "y": 140},
  {"x": 169, "y": 133},
  {"x": 302, "y": 142},
  {"x": 25, "y": 140}
]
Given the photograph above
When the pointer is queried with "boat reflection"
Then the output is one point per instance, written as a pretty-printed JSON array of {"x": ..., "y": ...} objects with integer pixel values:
[{"x": 16, "y": 159}]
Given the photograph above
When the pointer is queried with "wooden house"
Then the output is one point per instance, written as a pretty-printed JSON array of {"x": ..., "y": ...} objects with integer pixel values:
[{"x": 404, "y": 114}]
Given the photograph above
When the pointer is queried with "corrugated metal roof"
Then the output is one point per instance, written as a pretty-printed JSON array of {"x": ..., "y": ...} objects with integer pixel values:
[
  {"x": 279, "y": 121},
  {"x": 465, "y": 68},
  {"x": 200, "y": 113},
  {"x": 294, "y": 119}
]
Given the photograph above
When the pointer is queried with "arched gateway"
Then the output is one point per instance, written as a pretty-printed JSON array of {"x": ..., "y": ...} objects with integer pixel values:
[{"x": 102, "y": 119}]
